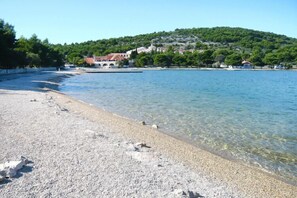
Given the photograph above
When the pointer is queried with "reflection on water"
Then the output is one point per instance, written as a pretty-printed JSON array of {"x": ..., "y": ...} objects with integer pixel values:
[{"x": 248, "y": 114}]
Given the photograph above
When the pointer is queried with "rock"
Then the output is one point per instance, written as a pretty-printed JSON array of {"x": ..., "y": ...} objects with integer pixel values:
[
  {"x": 141, "y": 144},
  {"x": 155, "y": 126},
  {"x": 64, "y": 109},
  {"x": 143, "y": 123},
  {"x": 34, "y": 100},
  {"x": 11, "y": 172},
  {"x": 2, "y": 173},
  {"x": 179, "y": 192},
  {"x": 11, "y": 167},
  {"x": 2, "y": 178},
  {"x": 25, "y": 160}
]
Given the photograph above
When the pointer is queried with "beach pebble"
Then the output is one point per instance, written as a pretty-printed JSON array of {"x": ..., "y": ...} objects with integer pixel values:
[
  {"x": 155, "y": 126},
  {"x": 64, "y": 109},
  {"x": 179, "y": 192},
  {"x": 141, "y": 144},
  {"x": 2, "y": 172},
  {"x": 143, "y": 123},
  {"x": 2, "y": 178},
  {"x": 11, "y": 172}
]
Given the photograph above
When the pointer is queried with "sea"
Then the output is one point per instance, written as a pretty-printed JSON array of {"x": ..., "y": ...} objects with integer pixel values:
[{"x": 249, "y": 116}]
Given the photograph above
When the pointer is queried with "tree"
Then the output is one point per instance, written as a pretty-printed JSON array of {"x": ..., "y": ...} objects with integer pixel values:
[
  {"x": 161, "y": 60},
  {"x": 285, "y": 56},
  {"x": 271, "y": 59},
  {"x": 34, "y": 52},
  {"x": 75, "y": 58},
  {"x": 133, "y": 54},
  {"x": 170, "y": 54},
  {"x": 144, "y": 59},
  {"x": 220, "y": 55},
  {"x": 33, "y": 59},
  {"x": 245, "y": 56},
  {"x": 201, "y": 46},
  {"x": 21, "y": 49},
  {"x": 123, "y": 62},
  {"x": 7, "y": 43},
  {"x": 257, "y": 56},
  {"x": 206, "y": 57},
  {"x": 170, "y": 50},
  {"x": 179, "y": 60},
  {"x": 233, "y": 59}
]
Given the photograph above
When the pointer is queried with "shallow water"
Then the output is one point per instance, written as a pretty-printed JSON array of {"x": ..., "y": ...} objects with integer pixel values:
[{"x": 250, "y": 115}]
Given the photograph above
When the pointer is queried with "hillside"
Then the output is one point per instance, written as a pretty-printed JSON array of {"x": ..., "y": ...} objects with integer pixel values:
[
  {"x": 199, "y": 47},
  {"x": 261, "y": 48}
]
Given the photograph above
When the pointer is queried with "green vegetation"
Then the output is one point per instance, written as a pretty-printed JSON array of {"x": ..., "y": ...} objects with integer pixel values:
[
  {"x": 25, "y": 52},
  {"x": 201, "y": 47}
]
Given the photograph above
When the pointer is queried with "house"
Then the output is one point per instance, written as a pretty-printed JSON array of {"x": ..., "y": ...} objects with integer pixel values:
[
  {"x": 108, "y": 61},
  {"x": 246, "y": 65}
]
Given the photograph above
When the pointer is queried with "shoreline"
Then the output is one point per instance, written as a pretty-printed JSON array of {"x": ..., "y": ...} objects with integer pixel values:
[
  {"x": 181, "y": 139},
  {"x": 286, "y": 177},
  {"x": 248, "y": 181},
  {"x": 86, "y": 69},
  {"x": 181, "y": 150},
  {"x": 197, "y": 145}
]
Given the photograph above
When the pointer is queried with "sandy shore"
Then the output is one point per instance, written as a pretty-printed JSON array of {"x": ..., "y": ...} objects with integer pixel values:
[{"x": 77, "y": 150}]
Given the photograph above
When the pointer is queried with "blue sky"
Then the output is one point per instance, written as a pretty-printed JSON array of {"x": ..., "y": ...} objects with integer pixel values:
[{"x": 67, "y": 21}]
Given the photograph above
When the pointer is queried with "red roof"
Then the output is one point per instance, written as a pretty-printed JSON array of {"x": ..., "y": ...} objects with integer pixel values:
[
  {"x": 89, "y": 61},
  {"x": 110, "y": 57}
]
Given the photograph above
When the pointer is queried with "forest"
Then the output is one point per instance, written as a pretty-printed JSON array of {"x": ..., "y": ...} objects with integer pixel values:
[
  {"x": 195, "y": 47},
  {"x": 24, "y": 52}
]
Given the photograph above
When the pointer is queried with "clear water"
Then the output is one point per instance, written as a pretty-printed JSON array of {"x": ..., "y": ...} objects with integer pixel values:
[{"x": 250, "y": 115}]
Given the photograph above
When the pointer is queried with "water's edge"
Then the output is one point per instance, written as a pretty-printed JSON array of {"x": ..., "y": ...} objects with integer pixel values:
[{"x": 198, "y": 144}]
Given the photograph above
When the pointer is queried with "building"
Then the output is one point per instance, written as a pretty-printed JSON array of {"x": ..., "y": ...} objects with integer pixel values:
[
  {"x": 108, "y": 61},
  {"x": 246, "y": 65},
  {"x": 146, "y": 50}
]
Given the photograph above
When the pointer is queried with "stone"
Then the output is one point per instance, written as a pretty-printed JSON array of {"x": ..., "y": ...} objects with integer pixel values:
[
  {"x": 141, "y": 144},
  {"x": 143, "y": 123},
  {"x": 64, "y": 109},
  {"x": 179, "y": 192},
  {"x": 11, "y": 167},
  {"x": 2, "y": 178},
  {"x": 2, "y": 173},
  {"x": 11, "y": 172},
  {"x": 155, "y": 126}
]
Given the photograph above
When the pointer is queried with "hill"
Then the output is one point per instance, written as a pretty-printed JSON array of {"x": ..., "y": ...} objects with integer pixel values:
[
  {"x": 182, "y": 47},
  {"x": 218, "y": 44}
]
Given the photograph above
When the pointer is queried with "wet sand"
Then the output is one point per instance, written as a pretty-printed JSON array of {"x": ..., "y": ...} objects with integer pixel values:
[{"x": 80, "y": 150}]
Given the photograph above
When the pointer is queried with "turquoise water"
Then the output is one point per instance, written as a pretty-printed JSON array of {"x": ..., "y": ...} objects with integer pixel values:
[{"x": 249, "y": 115}]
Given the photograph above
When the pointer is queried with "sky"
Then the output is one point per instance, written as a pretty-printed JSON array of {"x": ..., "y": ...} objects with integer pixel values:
[{"x": 70, "y": 21}]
